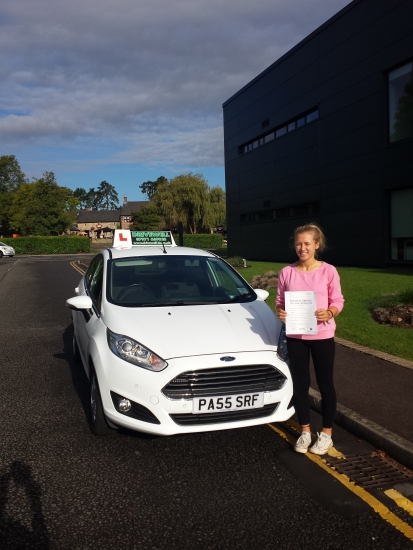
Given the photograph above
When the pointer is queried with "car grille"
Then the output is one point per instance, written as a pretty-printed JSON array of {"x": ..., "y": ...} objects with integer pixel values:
[
  {"x": 221, "y": 417},
  {"x": 224, "y": 381}
]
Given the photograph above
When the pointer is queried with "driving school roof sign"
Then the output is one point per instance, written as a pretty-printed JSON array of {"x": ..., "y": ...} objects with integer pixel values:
[{"x": 125, "y": 238}]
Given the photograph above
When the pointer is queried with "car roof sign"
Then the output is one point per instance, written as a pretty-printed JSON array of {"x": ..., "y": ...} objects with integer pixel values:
[
  {"x": 125, "y": 238},
  {"x": 122, "y": 238}
]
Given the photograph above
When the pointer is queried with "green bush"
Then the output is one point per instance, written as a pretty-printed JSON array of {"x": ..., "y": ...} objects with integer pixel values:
[
  {"x": 391, "y": 300},
  {"x": 205, "y": 241},
  {"x": 235, "y": 261},
  {"x": 49, "y": 245}
]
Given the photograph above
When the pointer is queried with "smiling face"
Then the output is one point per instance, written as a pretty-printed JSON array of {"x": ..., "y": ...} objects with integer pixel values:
[{"x": 305, "y": 247}]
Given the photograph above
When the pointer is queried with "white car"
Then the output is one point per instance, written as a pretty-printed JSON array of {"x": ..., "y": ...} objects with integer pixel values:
[
  {"x": 6, "y": 250},
  {"x": 173, "y": 340}
]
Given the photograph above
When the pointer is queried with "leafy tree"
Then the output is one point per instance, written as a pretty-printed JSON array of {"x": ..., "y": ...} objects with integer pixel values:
[
  {"x": 104, "y": 197},
  {"x": 92, "y": 200},
  {"x": 184, "y": 198},
  {"x": 11, "y": 176},
  {"x": 42, "y": 207},
  {"x": 217, "y": 208},
  {"x": 11, "y": 179},
  {"x": 149, "y": 188},
  {"x": 107, "y": 195},
  {"x": 82, "y": 196},
  {"x": 146, "y": 219}
]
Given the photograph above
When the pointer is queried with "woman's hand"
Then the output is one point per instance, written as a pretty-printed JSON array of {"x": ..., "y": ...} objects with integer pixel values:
[
  {"x": 325, "y": 315},
  {"x": 281, "y": 313}
]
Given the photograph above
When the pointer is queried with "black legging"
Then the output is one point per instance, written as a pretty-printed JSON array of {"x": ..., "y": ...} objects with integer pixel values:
[{"x": 322, "y": 352}]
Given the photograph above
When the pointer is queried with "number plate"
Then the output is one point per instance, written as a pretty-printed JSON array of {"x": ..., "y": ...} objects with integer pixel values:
[{"x": 227, "y": 403}]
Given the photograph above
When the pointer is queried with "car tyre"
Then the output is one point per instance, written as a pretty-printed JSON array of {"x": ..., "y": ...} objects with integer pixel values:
[
  {"x": 75, "y": 348},
  {"x": 1, "y": 254},
  {"x": 98, "y": 424}
]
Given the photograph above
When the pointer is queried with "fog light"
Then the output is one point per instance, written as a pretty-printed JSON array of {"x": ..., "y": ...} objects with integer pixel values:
[{"x": 124, "y": 405}]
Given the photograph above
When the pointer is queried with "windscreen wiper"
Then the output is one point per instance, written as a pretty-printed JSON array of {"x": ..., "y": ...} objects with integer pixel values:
[
  {"x": 177, "y": 303},
  {"x": 239, "y": 298}
]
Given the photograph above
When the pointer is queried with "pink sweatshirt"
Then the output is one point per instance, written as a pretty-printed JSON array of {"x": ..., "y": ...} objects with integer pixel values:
[{"x": 325, "y": 281}]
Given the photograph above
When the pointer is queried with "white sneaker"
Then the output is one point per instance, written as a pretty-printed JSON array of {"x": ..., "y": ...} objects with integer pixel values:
[
  {"x": 303, "y": 442},
  {"x": 322, "y": 445}
]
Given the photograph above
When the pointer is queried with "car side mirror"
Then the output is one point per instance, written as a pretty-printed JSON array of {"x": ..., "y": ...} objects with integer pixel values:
[
  {"x": 79, "y": 303},
  {"x": 261, "y": 293}
]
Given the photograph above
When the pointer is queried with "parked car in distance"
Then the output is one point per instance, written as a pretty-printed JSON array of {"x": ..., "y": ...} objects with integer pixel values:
[
  {"x": 174, "y": 340},
  {"x": 6, "y": 250}
]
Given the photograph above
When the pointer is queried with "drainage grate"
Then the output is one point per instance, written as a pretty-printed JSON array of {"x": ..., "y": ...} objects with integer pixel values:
[{"x": 369, "y": 470}]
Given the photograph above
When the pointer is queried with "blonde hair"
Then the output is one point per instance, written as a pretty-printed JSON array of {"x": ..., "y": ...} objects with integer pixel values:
[{"x": 317, "y": 233}]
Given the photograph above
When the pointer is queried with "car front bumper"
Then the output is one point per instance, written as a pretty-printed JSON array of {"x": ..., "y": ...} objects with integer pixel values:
[{"x": 144, "y": 388}]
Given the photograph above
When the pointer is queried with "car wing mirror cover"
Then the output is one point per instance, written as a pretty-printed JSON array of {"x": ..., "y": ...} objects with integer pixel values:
[
  {"x": 79, "y": 303},
  {"x": 261, "y": 293}
]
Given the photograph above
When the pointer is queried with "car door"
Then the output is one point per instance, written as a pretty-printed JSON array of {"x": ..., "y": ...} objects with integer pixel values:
[{"x": 87, "y": 319}]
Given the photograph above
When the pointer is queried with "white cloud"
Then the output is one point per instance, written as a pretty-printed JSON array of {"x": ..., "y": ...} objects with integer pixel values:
[{"x": 149, "y": 76}]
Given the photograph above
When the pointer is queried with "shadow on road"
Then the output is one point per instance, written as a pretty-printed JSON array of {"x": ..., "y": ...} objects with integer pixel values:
[
  {"x": 13, "y": 534},
  {"x": 79, "y": 379}
]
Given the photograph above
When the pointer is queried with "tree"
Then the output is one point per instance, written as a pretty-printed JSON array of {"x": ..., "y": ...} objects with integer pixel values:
[
  {"x": 11, "y": 176},
  {"x": 11, "y": 179},
  {"x": 92, "y": 200},
  {"x": 149, "y": 188},
  {"x": 82, "y": 196},
  {"x": 104, "y": 197},
  {"x": 107, "y": 196},
  {"x": 217, "y": 208},
  {"x": 42, "y": 207},
  {"x": 184, "y": 198},
  {"x": 146, "y": 219}
]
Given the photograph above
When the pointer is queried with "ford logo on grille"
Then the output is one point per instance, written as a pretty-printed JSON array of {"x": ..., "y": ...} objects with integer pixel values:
[{"x": 227, "y": 358}]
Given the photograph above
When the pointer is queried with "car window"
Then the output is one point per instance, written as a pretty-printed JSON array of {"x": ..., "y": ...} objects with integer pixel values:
[
  {"x": 94, "y": 279},
  {"x": 177, "y": 280},
  {"x": 92, "y": 268}
]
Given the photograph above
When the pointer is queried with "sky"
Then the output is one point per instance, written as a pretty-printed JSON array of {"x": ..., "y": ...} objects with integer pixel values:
[{"x": 129, "y": 90}]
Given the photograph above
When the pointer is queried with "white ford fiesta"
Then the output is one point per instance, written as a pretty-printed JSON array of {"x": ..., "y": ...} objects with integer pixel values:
[{"x": 173, "y": 340}]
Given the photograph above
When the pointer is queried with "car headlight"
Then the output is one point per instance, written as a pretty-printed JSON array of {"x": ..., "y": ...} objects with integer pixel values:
[{"x": 133, "y": 352}]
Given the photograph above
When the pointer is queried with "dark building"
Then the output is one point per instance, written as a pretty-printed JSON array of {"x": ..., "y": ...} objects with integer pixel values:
[{"x": 325, "y": 134}]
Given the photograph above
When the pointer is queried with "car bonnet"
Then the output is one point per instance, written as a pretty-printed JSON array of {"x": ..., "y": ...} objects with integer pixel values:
[{"x": 182, "y": 331}]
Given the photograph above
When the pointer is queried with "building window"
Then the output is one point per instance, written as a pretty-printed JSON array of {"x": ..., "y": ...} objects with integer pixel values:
[
  {"x": 400, "y": 93},
  {"x": 280, "y": 131},
  {"x": 401, "y": 204},
  {"x": 296, "y": 211}
]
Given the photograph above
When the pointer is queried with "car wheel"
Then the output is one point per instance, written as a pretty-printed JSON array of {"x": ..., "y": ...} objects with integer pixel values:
[
  {"x": 1, "y": 254},
  {"x": 75, "y": 348},
  {"x": 98, "y": 424}
]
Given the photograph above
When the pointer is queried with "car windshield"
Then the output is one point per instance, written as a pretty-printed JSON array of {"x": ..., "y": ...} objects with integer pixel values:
[
  {"x": 156, "y": 281},
  {"x": 2, "y": 244}
]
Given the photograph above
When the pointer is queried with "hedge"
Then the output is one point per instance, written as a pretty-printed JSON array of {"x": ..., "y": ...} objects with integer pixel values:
[
  {"x": 49, "y": 245},
  {"x": 205, "y": 241}
]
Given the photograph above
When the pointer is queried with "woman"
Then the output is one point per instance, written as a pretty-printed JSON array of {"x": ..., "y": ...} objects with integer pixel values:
[{"x": 308, "y": 273}]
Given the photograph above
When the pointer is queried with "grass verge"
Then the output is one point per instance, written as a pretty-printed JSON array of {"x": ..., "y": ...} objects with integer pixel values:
[{"x": 361, "y": 287}]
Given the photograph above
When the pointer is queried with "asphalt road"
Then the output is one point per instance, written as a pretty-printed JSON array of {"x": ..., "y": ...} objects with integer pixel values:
[{"x": 61, "y": 487}]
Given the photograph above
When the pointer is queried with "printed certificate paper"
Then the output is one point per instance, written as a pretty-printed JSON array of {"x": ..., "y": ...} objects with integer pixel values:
[{"x": 301, "y": 307}]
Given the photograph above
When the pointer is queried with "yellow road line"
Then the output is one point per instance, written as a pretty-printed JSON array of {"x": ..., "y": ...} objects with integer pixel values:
[
  {"x": 375, "y": 504},
  {"x": 400, "y": 500},
  {"x": 77, "y": 267}
]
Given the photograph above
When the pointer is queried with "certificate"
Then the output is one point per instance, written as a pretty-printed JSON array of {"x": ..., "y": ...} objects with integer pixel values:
[{"x": 301, "y": 307}]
